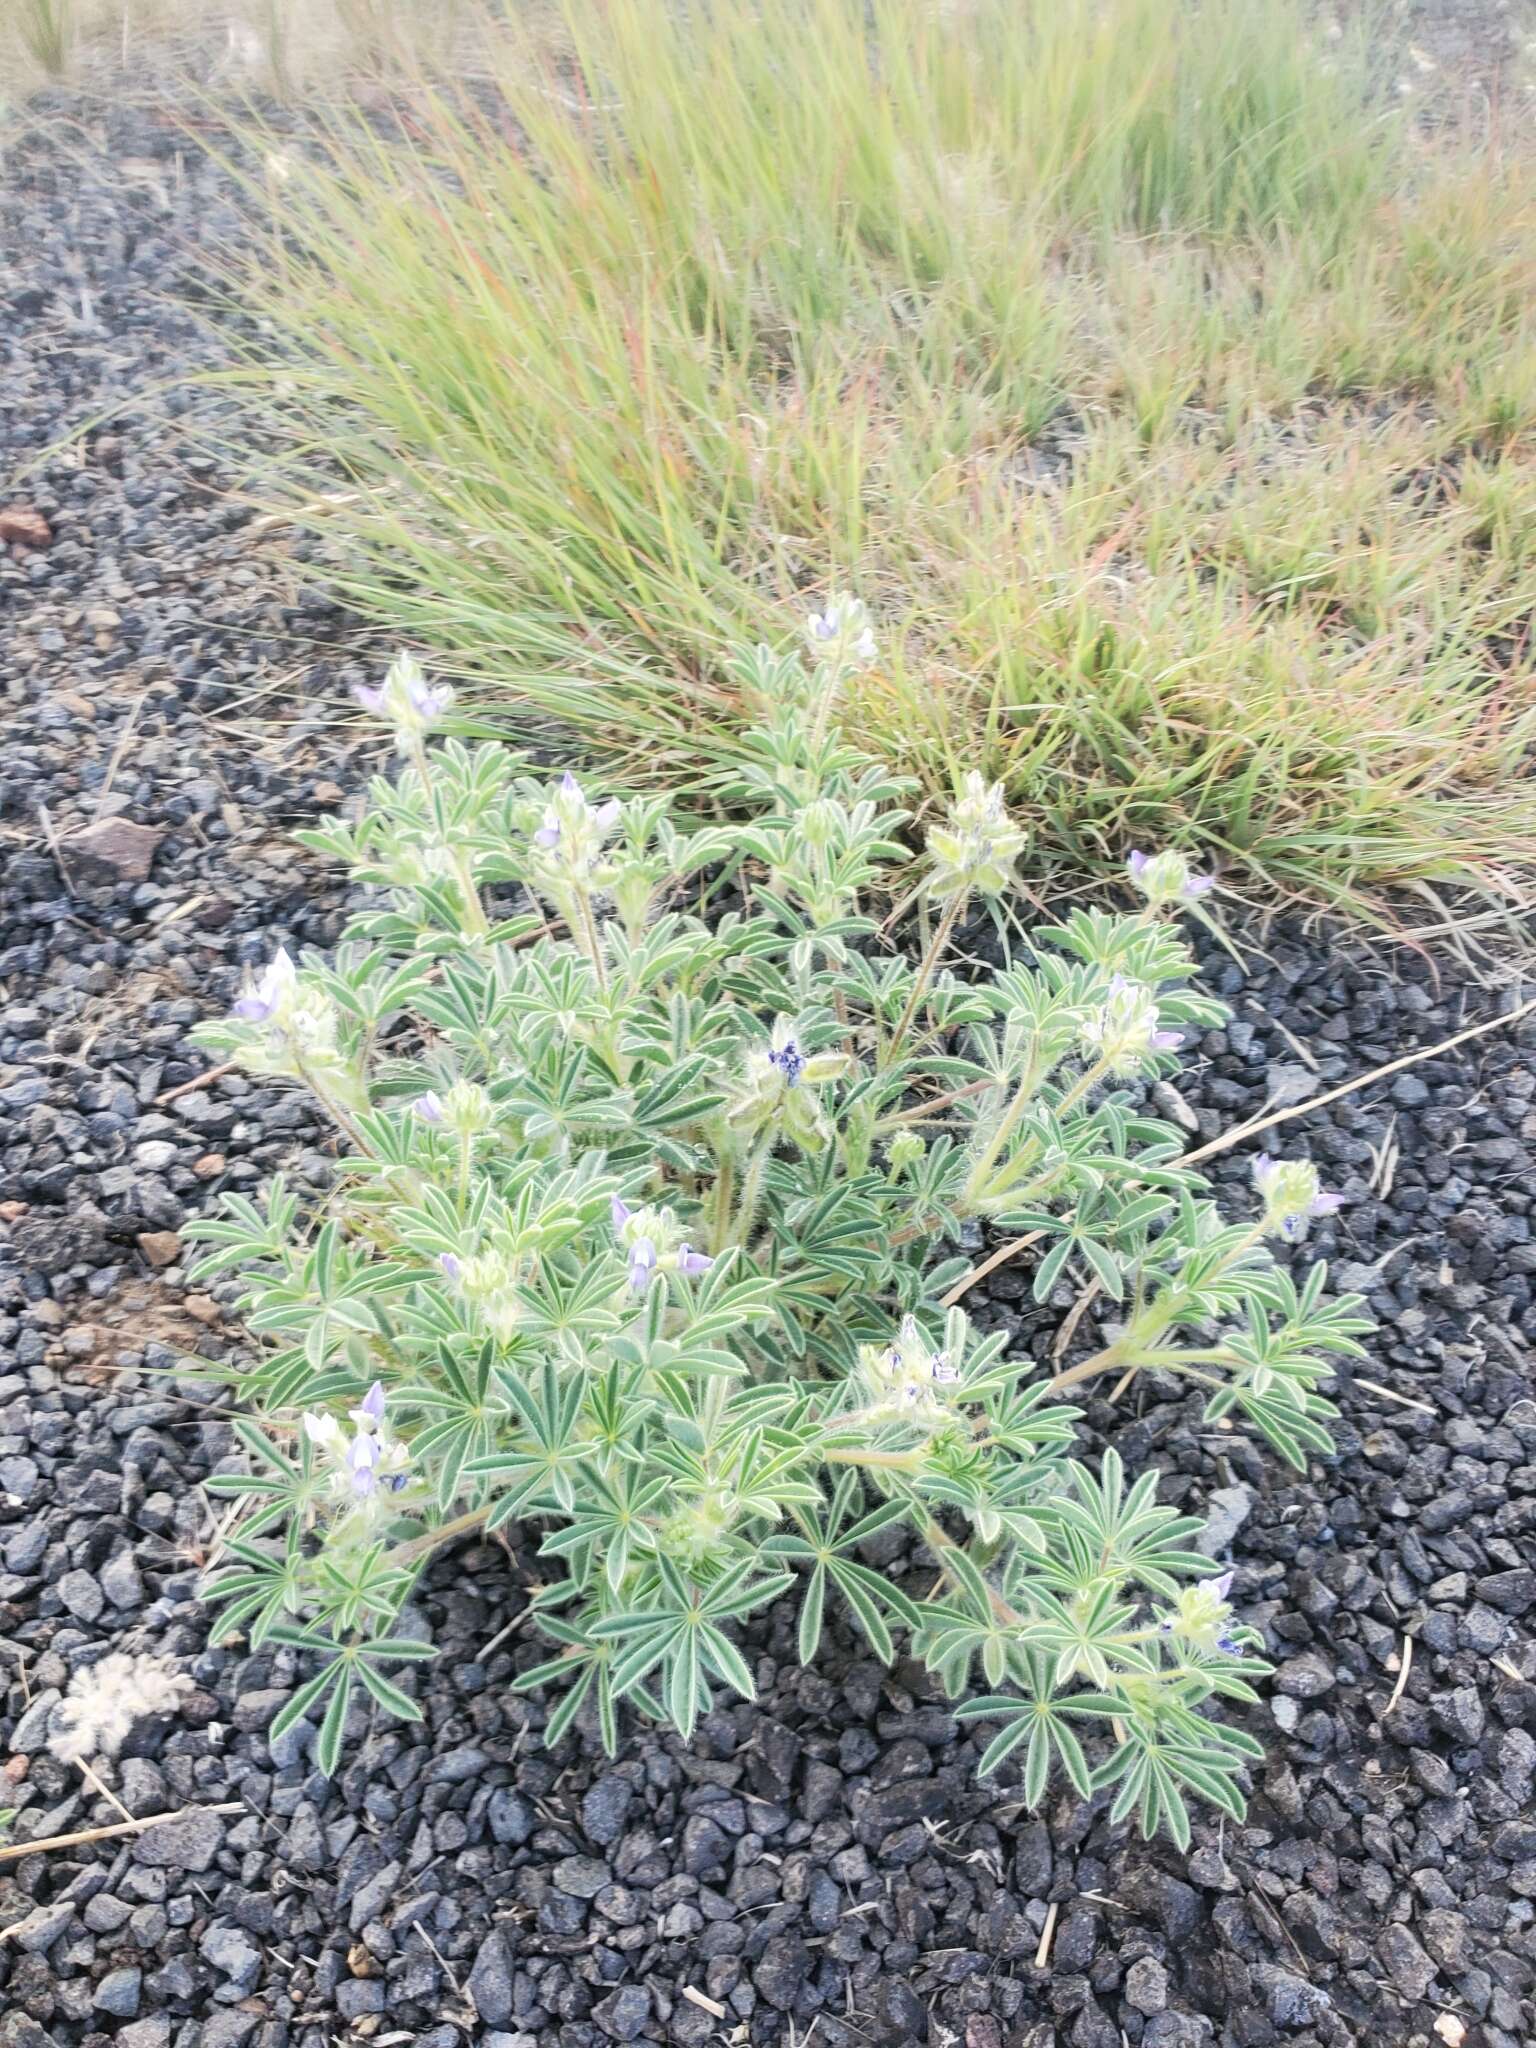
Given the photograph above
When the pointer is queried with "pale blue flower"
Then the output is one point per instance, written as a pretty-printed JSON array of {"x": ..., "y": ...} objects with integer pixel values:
[
  {"x": 269, "y": 992},
  {"x": 369, "y": 1412}
]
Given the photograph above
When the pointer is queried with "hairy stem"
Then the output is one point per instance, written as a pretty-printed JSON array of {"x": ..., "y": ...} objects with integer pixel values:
[
  {"x": 939, "y": 1543},
  {"x": 422, "y": 1546},
  {"x": 725, "y": 1186},
  {"x": 592, "y": 942},
  {"x": 751, "y": 1192},
  {"x": 924, "y": 975}
]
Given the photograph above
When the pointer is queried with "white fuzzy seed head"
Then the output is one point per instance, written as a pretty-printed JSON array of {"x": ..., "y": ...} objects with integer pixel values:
[{"x": 105, "y": 1701}]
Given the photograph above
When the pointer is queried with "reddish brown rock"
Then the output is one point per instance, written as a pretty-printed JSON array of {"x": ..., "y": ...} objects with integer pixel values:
[
  {"x": 160, "y": 1247},
  {"x": 21, "y": 526},
  {"x": 113, "y": 850}
]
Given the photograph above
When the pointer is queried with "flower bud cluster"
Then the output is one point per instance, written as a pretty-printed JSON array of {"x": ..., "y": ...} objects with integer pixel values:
[
  {"x": 1167, "y": 878},
  {"x": 776, "y": 1092},
  {"x": 1123, "y": 1030},
  {"x": 421, "y": 863},
  {"x": 905, "y": 1150},
  {"x": 407, "y": 700},
  {"x": 695, "y": 1534},
  {"x": 488, "y": 1284},
  {"x": 908, "y": 1378},
  {"x": 841, "y": 636},
  {"x": 977, "y": 845},
  {"x": 464, "y": 1109},
  {"x": 1292, "y": 1195},
  {"x": 1201, "y": 1618},
  {"x": 568, "y": 847},
  {"x": 294, "y": 1024}
]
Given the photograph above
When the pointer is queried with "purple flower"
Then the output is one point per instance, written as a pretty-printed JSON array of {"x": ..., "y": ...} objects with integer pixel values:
[
  {"x": 642, "y": 1264},
  {"x": 945, "y": 1374},
  {"x": 690, "y": 1262},
  {"x": 569, "y": 786},
  {"x": 846, "y": 619},
  {"x": 608, "y": 815},
  {"x": 621, "y": 1212},
  {"x": 405, "y": 697},
  {"x": 1137, "y": 863},
  {"x": 265, "y": 994},
  {"x": 428, "y": 701},
  {"x": 449, "y": 1264},
  {"x": 1221, "y": 1587},
  {"x": 1166, "y": 1041},
  {"x": 548, "y": 833},
  {"x": 371, "y": 1408},
  {"x": 1198, "y": 885},
  {"x": 789, "y": 1060},
  {"x": 429, "y": 1107},
  {"x": 362, "y": 1456},
  {"x": 1229, "y": 1646}
]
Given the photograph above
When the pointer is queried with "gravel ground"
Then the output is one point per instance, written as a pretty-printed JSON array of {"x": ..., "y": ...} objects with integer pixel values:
[{"x": 823, "y": 1865}]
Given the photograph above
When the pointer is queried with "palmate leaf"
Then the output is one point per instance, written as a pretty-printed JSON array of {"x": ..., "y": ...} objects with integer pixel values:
[
  {"x": 1165, "y": 1756},
  {"x": 682, "y": 1636},
  {"x": 1105, "y": 1529},
  {"x": 1042, "y": 1728},
  {"x": 823, "y": 1539},
  {"x": 334, "y": 1684},
  {"x": 259, "y": 1590}
]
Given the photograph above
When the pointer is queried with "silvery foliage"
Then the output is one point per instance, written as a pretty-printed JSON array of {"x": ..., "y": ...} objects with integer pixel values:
[{"x": 654, "y": 1161}]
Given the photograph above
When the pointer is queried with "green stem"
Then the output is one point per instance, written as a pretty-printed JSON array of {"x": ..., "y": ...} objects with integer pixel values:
[
  {"x": 751, "y": 1190},
  {"x": 1023, "y": 1096},
  {"x": 423, "y": 1545},
  {"x": 886, "y": 1461},
  {"x": 922, "y": 1112},
  {"x": 939, "y": 1543},
  {"x": 719, "y": 1236},
  {"x": 1122, "y": 1357},
  {"x": 339, "y": 1116},
  {"x": 924, "y": 975},
  {"x": 593, "y": 944},
  {"x": 476, "y": 923}
]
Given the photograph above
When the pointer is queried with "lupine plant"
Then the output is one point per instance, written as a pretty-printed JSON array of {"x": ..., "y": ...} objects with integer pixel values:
[{"x": 655, "y": 1162}]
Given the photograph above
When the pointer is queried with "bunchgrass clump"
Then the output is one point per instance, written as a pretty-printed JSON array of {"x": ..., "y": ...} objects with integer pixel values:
[
  {"x": 1171, "y": 400},
  {"x": 654, "y": 1165}
]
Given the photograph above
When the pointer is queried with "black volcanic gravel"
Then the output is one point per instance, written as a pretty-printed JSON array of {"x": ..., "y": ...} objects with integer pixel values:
[{"x": 824, "y": 1864}]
